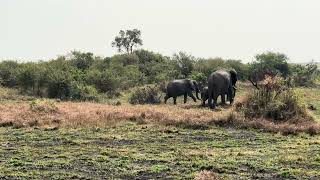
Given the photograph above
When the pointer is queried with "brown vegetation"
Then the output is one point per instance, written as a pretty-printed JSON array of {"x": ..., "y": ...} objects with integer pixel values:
[
  {"x": 49, "y": 114},
  {"x": 70, "y": 114},
  {"x": 206, "y": 175},
  {"x": 92, "y": 114},
  {"x": 275, "y": 107}
]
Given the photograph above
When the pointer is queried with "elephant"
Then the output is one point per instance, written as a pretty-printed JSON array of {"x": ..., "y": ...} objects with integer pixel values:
[
  {"x": 180, "y": 87},
  {"x": 205, "y": 95},
  {"x": 221, "y": 82}
]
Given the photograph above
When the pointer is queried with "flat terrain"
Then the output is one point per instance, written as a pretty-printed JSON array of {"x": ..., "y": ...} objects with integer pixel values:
[
  {"x": 142, "y": 149},
  {"x": 147, "y": 151}
]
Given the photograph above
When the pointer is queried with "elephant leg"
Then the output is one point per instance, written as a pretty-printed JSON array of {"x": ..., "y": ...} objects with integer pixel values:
[
  {"x": 231, "y": 100},
  {"x": 175, "y": 100},
  {"x": 212, "y": 106},
  {"x": 185, "y": 98},
  {"x": 192, "y": 96},
  {"x": 166, "y": 98},
  {"x": 215, "y": 100},
  {"x": 223, "y": 99},
  {"x": 203, "y": 103}
]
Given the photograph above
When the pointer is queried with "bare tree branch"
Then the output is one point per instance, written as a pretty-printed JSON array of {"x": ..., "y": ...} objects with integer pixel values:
[{"x": 254, "y": 84}]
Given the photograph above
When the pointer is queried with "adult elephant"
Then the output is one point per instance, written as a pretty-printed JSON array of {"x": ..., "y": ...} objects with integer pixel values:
[
  {"x": 181, "y": 87},
  {"x": 221, "y": 82}
]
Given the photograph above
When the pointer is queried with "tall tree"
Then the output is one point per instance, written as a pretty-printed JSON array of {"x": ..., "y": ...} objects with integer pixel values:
[{"x": 127, "y": 40}]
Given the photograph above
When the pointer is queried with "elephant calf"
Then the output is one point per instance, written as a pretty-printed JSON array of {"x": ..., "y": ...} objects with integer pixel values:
[{"x": 181, "y": 87}]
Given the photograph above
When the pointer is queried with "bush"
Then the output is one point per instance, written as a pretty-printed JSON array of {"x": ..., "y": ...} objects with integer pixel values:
[
  {"x": 145, "y": 95},
  {"x": 274, "y": 101},
  {"x": 59, "y": 84},
  {"x": 43, "y": 106},
  {"x": 207, "y": 66},
  {"x": 83, "y": 92},
  {"x": 82, "y": 60},
  {"x": 8, "y": 73},
  {"x": 269, "y": 63},
  {"x": 104, "y": 81},
  {"x": 184, "y": 63},
  {"x": 201, "y": 78},
  {"x": 304, "y": 75}
]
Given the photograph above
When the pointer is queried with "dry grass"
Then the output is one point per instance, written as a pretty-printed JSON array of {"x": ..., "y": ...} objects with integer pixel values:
[
  {"x": 206, "y": 175},
  {"x": 289, "y": 127},
  {"x": 69, "y": 114}
]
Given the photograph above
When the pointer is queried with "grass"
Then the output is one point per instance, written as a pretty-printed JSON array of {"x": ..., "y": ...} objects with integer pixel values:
[
  {"x": 96, "y": 141},
  {"x": 312, "y": 97},
  {"x": 131, "y": 150}
]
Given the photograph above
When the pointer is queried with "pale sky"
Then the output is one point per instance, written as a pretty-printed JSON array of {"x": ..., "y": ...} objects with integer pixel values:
[{"x": 237, "y": 29}]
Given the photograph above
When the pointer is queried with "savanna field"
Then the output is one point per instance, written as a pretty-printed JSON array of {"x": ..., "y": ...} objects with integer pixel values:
[{"x": 50, "y": 139}]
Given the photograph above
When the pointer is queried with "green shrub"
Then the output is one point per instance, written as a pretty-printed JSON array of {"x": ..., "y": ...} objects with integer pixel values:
[
  {"x": 145, "y": 95},
  {"x": 59, "y": 84},
  {"x": 184, "y": 63},
  {"x": 274, "y": 100},
  {"x": 104, "y": 81},
  {"x": 81, "y": 60},
  {"x": 8, "y": 73},
  {"x": 201, "y": 78},
  {"x": 304, "y": 75},
  {"x": 269, "y": 63},
  {"x": 79, "y": 91}
]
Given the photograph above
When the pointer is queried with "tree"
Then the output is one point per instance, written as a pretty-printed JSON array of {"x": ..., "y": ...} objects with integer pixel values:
[
  {"x": 184, "y": 63},
  {"x": 82, "y": 60},
  {"x": 269, "y": 63},
  {"x": 8, "y": 73},
  {"x": 304, "y": 75},
  {"x": 126, "y": 40}
]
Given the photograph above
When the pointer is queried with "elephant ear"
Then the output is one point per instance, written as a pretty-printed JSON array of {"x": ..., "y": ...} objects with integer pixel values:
[
  {"x": 195, "y": 85},
  {"x": 192, "y": 85},
  {"x": 234, "y": 77}
]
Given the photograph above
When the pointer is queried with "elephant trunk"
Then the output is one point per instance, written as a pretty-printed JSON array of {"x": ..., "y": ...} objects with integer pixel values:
[{"x": 234, "y": 91}]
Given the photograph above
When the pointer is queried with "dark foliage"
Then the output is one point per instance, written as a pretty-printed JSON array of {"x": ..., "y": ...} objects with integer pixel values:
[
  {"x": 81, "y": 75},
  {"x": 145, "y": 95}
]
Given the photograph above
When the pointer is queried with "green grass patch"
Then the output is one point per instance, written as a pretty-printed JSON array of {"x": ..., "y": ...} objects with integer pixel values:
[
  {"x": 148, "y": 151},
  {"x": 311, "y": 96}
]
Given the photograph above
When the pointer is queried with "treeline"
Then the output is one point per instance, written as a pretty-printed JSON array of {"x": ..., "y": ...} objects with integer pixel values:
[{"x": 83, "y": 76}]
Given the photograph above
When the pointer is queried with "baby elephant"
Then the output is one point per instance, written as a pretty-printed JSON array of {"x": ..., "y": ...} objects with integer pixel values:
[{"x": 205, "y": 95}]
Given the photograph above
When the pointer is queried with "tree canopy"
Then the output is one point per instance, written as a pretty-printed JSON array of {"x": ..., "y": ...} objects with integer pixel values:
[{"x": 127, "y": 40}]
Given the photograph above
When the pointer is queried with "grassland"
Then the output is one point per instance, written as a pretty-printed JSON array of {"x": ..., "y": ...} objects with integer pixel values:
[
  {"x": 130, "y": 150},
  {"x": 95, "y": 141}
]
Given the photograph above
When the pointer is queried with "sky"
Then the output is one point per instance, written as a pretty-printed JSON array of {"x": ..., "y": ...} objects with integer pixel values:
[{"x": 233, "y": 29}]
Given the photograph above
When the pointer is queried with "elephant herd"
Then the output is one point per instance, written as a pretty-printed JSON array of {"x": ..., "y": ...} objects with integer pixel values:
[{"x": 220, "y": 83}]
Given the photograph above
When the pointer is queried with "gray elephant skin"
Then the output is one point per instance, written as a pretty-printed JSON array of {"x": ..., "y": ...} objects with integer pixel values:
[
  {"x": 221, "y": 82},
  {"x": 205, "y": 95},
  {"x": 181, "y": 87}
]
